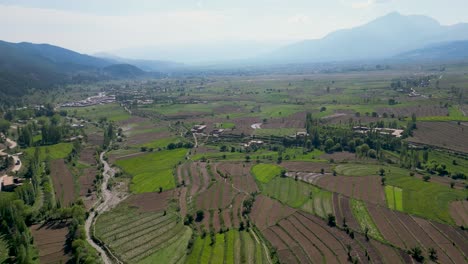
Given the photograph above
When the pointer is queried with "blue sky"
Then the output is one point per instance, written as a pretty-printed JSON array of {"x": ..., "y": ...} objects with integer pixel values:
[{"x": 108, "y": 25}]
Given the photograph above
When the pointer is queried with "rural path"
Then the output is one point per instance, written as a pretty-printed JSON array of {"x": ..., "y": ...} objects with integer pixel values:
[
  {"x": 196, "y": 141},
  {"x": 16, "y": 160},
  {"x": 109, "y": 200}
]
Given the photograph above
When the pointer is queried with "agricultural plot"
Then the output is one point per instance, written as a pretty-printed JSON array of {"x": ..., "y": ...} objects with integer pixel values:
[
  {"x": 63, "y": 182},
  {"x": 407, "y": 232},
  {"x": 426, "y": 199},
  {"x": 195, "y": 176},
  {"x": 366, "y": 188},
  {"x": 267, "y": 212},
  {"x": 152, "y": 171},
  {"x": 301, "y": 195},
  {"x": 303, "y": 166},
  {"x": 51, "y": 241},
  {"x": 394, "y": 196},
  {"x": 239, "y": 174},
  {"x": 218, "y": 196},
  {"x": 230, "y": 247},
  {"x": 52, "y": 152},
  {"x": 419, "y": 110},
  {"x": 112, "y": 112},
  {"x": 303, "y": 238},
  {"x": 445, "y": 135},
  {"x": 266, "y": 172},
  {"x": 459, "y": 212},
  {"x": 364, "y": 219},
  {"x": 137, "y": 236}
]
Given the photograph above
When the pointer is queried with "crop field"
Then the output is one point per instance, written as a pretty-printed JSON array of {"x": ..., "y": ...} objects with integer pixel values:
[
  {"x": 394, "y": 196},
  {"x": 53, "y": 152},
  {"x": 152, "y": 171},
  {"x": 300, "y": 195},
  {"x": 63, "y": 182},
  {"x": 303, "y": 238},
  {"x": 364, "y": 219},
  {"x": 366, "y": 188},
  {"x": 143, "y": 237},
  {"x": 51, "y": 240},
  {"x": 446, "y": 135},
  {"x": 239, "y": 174},
  {"x": 407, "y": 231},
  {"x": 112, "y": 112},
  {"x": 459, "y": 212},
  {"x": 230, "y": 247},
  {"x": 426, "y": 199},
  {"x": 266, "y": 172}
]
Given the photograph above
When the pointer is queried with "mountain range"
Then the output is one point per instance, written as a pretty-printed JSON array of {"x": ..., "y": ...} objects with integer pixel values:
[
  {"x": 391, "y": 38},
  {"x": 381, "y": 38}
]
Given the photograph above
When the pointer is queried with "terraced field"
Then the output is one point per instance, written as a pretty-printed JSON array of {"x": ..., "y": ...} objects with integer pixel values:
[
  {"x": 304, "y": 238},
  {"x": 300, "y": 195},
  {"x": 407, "y": 231},
  {"x": 143, "y": 237},
  {"x": 230, "y": 247}
]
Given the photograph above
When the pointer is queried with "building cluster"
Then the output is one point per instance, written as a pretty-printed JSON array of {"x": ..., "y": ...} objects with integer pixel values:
[
  {"x": 384, "y": 131},
  {"x": 101, "y": 98},
  {"x": 9, "y": 183},
  {"x": 198, "y": 128}
]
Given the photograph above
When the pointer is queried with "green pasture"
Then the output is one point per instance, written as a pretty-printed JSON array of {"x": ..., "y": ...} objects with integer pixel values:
[
  {"x": 153, "y": 170},
  {"x": 57, "y": 151},
  {"x": 426, "y": 199},
  {"x": 112, "y": 112},
  {"x": 301, "y": 195},
  {"x": 364, "y": 219},
  {"x": 266, "y": 172}
]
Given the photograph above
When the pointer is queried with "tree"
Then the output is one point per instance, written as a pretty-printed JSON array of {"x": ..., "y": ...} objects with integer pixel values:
[
  {"x": 283, "y": 173},
  {"x": 382, "y": 172},
  {"x": 383, "y": 180},
  {"x": 331, "y": 220},
  {"x": 4, "y": 126},
  {"x": 433, "y": 254},
  {"x": 416, "y": 253},
  {"x": 199, "y": 216}
]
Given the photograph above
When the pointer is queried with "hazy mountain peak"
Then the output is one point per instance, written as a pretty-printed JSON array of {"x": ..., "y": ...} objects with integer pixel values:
[{"x": 383, "y": 37}]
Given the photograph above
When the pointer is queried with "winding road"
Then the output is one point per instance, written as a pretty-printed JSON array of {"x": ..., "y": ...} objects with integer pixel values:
[{"x": 16, "y": 161}]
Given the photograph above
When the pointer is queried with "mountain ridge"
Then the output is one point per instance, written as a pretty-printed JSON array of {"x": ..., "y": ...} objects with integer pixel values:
[{"x": 381, "y": 38}]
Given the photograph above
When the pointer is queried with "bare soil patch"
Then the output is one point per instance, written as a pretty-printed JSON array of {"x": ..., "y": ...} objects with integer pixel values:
[
  {"x": 50, "y": 239},
  {"x": 151, "y": 202},
  {"x": 87, "y": 181},
  {"x": 137, "y": 139},
  {"x": 63, "y": 182},
  {"x": 366, "y": 188},
  {"x": 96, "y": 139},
  {"x": 267, "y": 212},
  {"x": 340, "y": 156},
  {"x": 447, "y": 135},
  {"x": 240, "y": 174},
  {"x": 459, "y": 212},
  {"x": 304, "y": 166},
  {"x": 87, "y": 156},
  {"x": 418, "y": 110}
]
